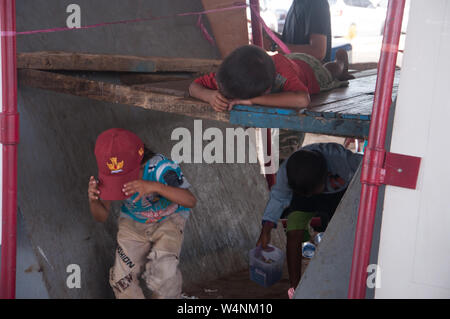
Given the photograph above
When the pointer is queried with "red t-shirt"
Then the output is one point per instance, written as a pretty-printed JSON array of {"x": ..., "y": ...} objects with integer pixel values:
[{"x": 292, "y": 76}]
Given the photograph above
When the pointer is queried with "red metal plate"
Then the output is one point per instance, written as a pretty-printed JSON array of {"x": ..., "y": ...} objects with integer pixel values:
[{"x": 401, "y": 170}]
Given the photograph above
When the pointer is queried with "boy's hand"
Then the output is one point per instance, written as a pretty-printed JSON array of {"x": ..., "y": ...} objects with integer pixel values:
[
  {"x": 264, "y": 237},
  {"x": 140, "y": 186},
  {"x": 218, "y": 102},
  {"x": 93, "y": 191}
]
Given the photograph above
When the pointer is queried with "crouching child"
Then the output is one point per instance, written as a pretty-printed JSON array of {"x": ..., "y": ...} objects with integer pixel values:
[{"x": 310, "y": 183}]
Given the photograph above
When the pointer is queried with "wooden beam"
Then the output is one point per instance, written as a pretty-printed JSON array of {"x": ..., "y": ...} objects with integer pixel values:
[
  {"x": 257, "y": 116},
  {"x": 144, "y": 78},
  {"x": 49, "y": 60},
  {"x": 177, "y": 88},
  {"x": 341, "y": 112},
  {"x": 230, "y": 28},
  {"x": 120, "y": 94}
]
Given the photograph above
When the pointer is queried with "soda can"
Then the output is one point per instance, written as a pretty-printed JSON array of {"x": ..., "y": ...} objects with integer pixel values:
[
  {"x": 318, "y": 238},
  {"x": 308, "y": 249}
]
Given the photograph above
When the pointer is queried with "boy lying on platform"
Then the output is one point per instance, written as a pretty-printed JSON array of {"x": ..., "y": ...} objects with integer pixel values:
[{"x": 248, "y": 76}]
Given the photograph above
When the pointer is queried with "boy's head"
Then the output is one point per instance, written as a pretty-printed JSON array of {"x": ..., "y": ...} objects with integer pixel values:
[
  {"x": 245, "y": 73},
  {"x": 306, "y": 172},
  {"x": 119, "y": 154}
]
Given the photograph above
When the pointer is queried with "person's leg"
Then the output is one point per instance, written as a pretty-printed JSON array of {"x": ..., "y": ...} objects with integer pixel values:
[
  {"x": 162, "y": 276},
  {"x": 294, "y": 256},
  {"x": 289, "y": 142},
  {"x": 130, "y": 257},
  {"x": 339, "y": 67},
  {"x": 296, "y": 233}
]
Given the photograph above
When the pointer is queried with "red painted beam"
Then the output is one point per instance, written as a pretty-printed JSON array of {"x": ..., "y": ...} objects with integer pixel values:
[
  {"x": 374, "y": 156},
  {"x": 257, "y": 39},
  {"x": 257, "y": 35},
  {"x": 9, "y": 137}
]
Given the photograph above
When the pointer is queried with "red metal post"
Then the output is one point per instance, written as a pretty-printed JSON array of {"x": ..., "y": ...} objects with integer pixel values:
[
  {"x": 372, "y": 166},
  {"x": 257, "y": 35},
  {"x": 257, "y": 38},
  {"x": 9, "y": 125}
]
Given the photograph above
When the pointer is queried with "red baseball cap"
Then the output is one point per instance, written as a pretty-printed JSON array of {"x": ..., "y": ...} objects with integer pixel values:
[{"x": 119, "y": 154}]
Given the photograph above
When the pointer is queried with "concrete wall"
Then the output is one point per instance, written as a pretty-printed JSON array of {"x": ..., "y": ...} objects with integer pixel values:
[{"x": 56, "y": 158}]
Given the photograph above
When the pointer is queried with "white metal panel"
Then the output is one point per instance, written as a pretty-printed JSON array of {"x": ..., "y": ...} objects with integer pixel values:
[{"x": 414, "y": 253}]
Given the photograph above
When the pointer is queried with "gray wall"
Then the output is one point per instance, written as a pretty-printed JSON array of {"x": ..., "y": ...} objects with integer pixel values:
[{"x": 56, "y": 158}]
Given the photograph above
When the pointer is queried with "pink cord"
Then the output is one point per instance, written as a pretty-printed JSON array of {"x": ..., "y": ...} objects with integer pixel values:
[{"x": 291, "y": 292}]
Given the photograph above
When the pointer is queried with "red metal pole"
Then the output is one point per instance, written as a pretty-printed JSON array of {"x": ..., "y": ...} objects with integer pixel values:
[
  {"x": 372, "y": 166},
  {"x": 257, "y": 35},
  {"x": 257, "y": 38},
  {"x": 9, "y": 138}
]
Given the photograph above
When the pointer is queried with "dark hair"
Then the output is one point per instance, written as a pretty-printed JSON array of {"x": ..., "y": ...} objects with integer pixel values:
[
  {"x": 148, "y": 154},
  {"x": 306, "y": 172},
  {"x": 245, "y": 73}
]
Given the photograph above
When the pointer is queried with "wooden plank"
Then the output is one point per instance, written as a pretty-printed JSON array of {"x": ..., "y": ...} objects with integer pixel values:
[
  {"x": 364, "y": 73},
  {"x": 342, "y": 106},
  {"x": 359, "y": 86},
  {"x": 143, "y": 78},
  {"x": 229, "y": 27},
  {"x": 121, "y": 94},
  {"x": 58, "y": 60},
  {"x": 344, "y": 113},
  {"x": 176, "y": 88},
  {"x": 277, "y": 118},
  {"x": 368, "y": 72}
]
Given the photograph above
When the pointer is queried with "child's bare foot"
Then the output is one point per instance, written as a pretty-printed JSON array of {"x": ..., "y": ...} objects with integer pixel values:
[{"x": 342, "y": 57}]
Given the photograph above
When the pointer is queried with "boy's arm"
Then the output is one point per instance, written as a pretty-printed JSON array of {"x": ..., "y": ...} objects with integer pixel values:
[
  {"x": 280, "y": 197},
  {"x": 180, "y": 196},
  {"x": 217, "y": 101},
  {"x": 177, "y": 195},
  {"x": 289, "y": 99},
  {"x": 99, "y": 209}
]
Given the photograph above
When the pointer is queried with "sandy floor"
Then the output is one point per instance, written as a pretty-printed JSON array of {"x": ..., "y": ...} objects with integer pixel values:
[{"x": 239, "y": 286}]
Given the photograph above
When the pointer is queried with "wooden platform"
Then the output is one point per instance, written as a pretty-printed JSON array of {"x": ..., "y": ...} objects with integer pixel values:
[{"x": 341, "y": 112}]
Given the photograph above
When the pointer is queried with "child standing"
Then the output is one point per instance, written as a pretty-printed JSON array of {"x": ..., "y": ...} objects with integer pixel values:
[
  {"x": 156, "y": 204},
  {"x": 311, "y": 182}
]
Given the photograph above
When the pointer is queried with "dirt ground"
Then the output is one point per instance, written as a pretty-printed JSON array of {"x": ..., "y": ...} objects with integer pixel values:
[{"x": 239, "y": 286}]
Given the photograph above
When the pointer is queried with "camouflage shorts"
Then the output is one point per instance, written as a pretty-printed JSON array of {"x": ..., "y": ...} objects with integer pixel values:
[
  {"x": 289, "y": 142},
  {"x": 323, "y": 76}
]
